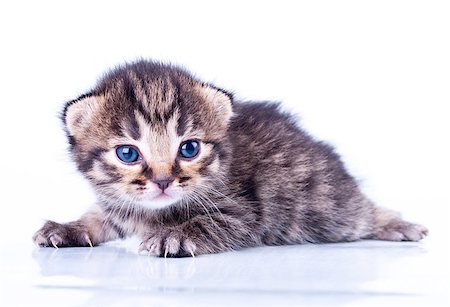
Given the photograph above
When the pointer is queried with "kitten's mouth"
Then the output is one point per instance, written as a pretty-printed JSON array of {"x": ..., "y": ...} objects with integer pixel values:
[
  {"x": 162, "y": 196},
  {"x": 157, "y": 198}
]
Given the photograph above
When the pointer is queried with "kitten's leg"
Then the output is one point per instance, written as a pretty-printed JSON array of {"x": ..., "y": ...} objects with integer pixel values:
[
  {"x": 389, "y": 226},
  {"x": 90, "y": 230},
  {"x": 200, "y": 235}
]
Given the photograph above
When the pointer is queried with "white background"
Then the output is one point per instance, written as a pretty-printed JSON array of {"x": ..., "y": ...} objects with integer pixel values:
[{"x": 370, "y": 77}]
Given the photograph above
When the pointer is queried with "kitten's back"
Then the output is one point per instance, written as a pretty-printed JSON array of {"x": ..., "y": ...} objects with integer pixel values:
[{"x": 279, "y": 167}]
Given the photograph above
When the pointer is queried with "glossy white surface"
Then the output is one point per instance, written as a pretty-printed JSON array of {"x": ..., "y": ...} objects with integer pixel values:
[{"x": 368, "y": 273}]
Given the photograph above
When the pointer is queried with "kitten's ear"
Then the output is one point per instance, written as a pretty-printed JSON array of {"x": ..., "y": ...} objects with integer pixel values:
[
  {"x": 220, "y": 100},
  {"x": 78, "y": 113}
]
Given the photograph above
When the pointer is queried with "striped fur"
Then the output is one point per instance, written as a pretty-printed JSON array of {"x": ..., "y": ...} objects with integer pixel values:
[{"x": 258, "y": 179}]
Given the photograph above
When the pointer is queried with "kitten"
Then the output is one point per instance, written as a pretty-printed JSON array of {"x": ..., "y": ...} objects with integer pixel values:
[{"x": 191, "y": 171}]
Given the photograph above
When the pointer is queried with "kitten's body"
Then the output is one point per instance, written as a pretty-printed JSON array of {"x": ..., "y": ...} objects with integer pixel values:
[{"x": 258, "y": 179}]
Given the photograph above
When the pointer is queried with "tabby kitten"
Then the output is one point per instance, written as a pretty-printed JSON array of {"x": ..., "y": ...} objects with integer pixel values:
[{"x": 191, "y": 171}]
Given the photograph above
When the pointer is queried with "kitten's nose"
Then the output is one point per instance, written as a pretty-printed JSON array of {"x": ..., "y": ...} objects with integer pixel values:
[{"x": 163, "y": 183}]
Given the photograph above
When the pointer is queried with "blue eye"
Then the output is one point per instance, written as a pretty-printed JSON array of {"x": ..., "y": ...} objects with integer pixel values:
[
  {"x": 189, "y": 149},
  {"x": 127, "y": 153}
]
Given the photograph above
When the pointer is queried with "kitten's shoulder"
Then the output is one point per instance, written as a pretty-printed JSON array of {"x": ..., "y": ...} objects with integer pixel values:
[
  {"x": 259, "y": 111},
  {"x": 263, "y": 118},
  {"x": 266, "y": 127}
]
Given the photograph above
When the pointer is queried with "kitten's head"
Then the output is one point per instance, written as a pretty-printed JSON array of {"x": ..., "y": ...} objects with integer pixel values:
[{"x": 150, "y": 134}]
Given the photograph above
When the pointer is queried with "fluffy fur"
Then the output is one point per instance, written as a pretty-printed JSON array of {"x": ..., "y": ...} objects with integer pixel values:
[{"x": 257, "y": 180}]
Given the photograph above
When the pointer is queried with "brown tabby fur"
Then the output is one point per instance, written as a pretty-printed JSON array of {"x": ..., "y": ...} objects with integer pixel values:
[{"x": 259, "y": 179}]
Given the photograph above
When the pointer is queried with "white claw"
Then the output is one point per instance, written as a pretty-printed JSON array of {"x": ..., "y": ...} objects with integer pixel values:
[
  {"x": 89, "y": 241},
  {"x": 190, "y": 247},
  {"x": 54, "y": 243},
  {"x": 190, "y": 250}
]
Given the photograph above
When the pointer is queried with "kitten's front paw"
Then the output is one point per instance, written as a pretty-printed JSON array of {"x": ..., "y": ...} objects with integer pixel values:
[
  {"x": 62, "y": 235},
  {"x": 399, "y": 230},
  {"x": 168, "y": 243}
]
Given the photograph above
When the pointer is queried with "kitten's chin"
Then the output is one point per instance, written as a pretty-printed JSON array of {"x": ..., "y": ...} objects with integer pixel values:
[{"x": 159, "y": 202}]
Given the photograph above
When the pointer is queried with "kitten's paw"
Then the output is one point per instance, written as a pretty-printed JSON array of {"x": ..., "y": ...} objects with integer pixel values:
[
  {"x": 399, "y": 230},
  {"x": 168, "y": 243},
  {"x": 56, "y": 235}
]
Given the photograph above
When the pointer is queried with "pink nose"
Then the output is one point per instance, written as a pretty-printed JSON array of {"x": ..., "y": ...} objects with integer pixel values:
[{"x": 163, "y": 183}]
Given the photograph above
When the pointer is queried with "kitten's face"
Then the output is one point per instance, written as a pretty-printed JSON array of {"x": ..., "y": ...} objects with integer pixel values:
[{"x": 150, "y": 136}]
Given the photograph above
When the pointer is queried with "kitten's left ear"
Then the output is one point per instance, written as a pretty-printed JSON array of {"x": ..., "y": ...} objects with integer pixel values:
[{"x": 220, "y": 100}]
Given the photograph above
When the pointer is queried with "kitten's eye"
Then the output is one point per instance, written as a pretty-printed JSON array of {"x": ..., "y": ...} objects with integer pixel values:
[
  {"x": 127, "y": 153},
  {"x": 189, "y": 149}
]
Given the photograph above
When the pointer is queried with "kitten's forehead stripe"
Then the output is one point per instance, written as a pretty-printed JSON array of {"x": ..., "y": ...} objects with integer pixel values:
[
  {"x": 132, "y": 126},
  {"x": 182, "y": 117},
  {"x": 129, "y": 90},
  {"x": 140, "y": 88},
  {"x": 130, "y": 95},
  {"x": 156, "y": 100}
]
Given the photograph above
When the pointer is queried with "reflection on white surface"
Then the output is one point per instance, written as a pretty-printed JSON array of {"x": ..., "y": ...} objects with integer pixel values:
[{"x": 352, "y": 274}]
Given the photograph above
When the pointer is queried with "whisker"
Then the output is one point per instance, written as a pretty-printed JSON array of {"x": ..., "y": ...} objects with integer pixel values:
[
  {"x": 198, "y": 201},
  {"x": 212, "y": 204}
]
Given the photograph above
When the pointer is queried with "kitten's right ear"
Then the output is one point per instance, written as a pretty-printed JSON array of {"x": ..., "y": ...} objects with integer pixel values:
[{"x": 78, "y": 113}]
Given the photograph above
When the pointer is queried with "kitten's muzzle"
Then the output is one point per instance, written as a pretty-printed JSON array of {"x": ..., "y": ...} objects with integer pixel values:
[{"x": 163, "y": 183}]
